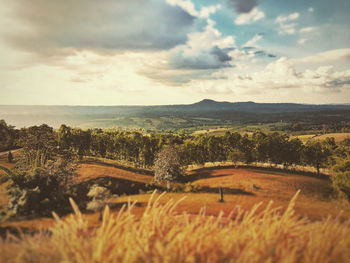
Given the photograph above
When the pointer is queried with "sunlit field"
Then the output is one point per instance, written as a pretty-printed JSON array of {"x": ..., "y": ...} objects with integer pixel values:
[{"x": 164, "y": 235}]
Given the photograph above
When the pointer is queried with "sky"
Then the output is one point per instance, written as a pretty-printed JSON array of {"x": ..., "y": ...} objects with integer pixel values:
[{"x": 157, "y": 52}]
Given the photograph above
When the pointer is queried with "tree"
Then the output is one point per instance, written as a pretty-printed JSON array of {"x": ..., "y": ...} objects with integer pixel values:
[
  {"x": 168, "y": 165},
  {"x": 316, "y": 155},
  {"x": 7, "y": 136},
  {"x": 39, "y": 145}
]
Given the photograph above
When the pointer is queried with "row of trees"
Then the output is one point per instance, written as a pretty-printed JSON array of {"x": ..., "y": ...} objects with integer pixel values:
[
  {"x": 40, "y": 142},
  {"x": 141, "y": 149}
]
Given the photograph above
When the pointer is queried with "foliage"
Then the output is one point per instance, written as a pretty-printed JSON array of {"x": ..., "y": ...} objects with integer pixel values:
[
  {"x": 162, "y": 235},
  {"x": 316, "y": 154},
  {"x": 139, "y": 149},
  {"x": 39, "y": 145},
  {"x": 8, "y": 135},
  {"x": 41, "y": 189},
  {"x": 341, "y": 180}
]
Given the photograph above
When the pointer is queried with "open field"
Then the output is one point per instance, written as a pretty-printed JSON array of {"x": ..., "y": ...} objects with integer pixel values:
[
  {"x": 338, "y": 137},
  {"x": 87, "y": 171},
  {"x": 161, "y": 234},
  {"x": 242, "y": 188}
]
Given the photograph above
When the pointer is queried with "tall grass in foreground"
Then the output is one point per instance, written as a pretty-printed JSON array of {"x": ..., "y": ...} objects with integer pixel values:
[{"x": 162, "y": 235}]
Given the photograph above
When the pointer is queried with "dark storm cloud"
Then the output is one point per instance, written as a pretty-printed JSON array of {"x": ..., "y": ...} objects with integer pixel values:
[
  {"x": 243, "y": 6},
  {"x": 54, "y": 28},
  {"x": 221, "y": 54},
  {"x": 215, "y": 58}
]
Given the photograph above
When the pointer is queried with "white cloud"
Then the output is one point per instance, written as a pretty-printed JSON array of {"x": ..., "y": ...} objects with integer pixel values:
[
  {"x": 335, "y": 55},
  {"x": 311, "y": 9},
  {"x": 290, "y": 17},
  {"x": 208, "y": 10},
  {"x": 189, "y": 7},
  {"x": 307, "y": 29},
  {"x": 279, "y": 75},
  {"x": 286, "y": 26},
  {"x": 247, "y": 18},
  {"x": 253, "y": 41},
  {"x": 288, "y": 29},
  {"x": 185, "y": 5},
  {"x": 302, "y": 41}
]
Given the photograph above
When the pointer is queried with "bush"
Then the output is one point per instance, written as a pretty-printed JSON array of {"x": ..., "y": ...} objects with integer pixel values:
[
  {"x": 341, "y": 183},
  {"x": 41, "y": 189},
  {"x": 341, "y": 180},
  {"x": 98, "y": 194}
]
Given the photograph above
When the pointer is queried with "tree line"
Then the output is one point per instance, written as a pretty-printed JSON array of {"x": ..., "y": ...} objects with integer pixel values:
[{"x": 141, "y": 148}]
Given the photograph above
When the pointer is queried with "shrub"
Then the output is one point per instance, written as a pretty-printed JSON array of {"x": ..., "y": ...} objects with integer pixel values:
[
  {"x": 41, "y": 189},
  {"x": 341, "y": 180},
  {"x": 98, "y": 194}
]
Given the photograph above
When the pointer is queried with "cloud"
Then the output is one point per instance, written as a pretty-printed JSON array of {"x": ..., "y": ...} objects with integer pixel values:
[
  {"x": 253, "y": 41},
  {"x": 243, "y": 6},
  {"x": 286, "y": 24},
  {"x": 310, "y": 9},
  {"x": 335, "y": 55},
  {"x": 307, "y": 29},
  {"x": 59, "y": 28},
  {"x": 288, "y": 29},
  {"x": 290, "y": 17},
  {"x": 302, "y": 41},
  {"x": 189, "y": 7},
  {"x": 203, "y": 50},
  {"x": 247, "y": 18},
  {"x": 279, "y": 75}
]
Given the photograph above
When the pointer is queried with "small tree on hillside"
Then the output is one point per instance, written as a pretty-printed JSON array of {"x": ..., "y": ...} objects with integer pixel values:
[{"x": 168, "y": 165}]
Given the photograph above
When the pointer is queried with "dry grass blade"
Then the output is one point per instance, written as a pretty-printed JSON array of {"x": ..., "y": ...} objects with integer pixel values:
[{"x": 161, "y": 235}]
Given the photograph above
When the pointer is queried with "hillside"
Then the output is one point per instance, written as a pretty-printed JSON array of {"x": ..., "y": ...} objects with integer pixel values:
[
  {"x": 242, "y": 187},
  {"x": 205, "y": 112}
]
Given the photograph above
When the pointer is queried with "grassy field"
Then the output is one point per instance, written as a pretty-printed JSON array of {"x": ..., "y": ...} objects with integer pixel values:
[
  {"x": 162, "y": 234},
  {"x": 255, "y": 223},
  {"x": 242, "y": 187},
  {"x": 338, "y": 137}
]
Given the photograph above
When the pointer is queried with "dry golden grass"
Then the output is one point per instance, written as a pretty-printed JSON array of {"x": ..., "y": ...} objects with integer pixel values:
[
  {"x": 270, "y": 184},
  {"x": 162, "y": 235},
  {"x": 338, "y": 137},
  {"x": 93, "y": 171}
]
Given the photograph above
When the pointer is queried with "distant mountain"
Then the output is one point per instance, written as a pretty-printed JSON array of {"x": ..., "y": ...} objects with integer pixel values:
[
  {"x": 265, "y": 107},
  {"x": 205, "y": 112}
]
